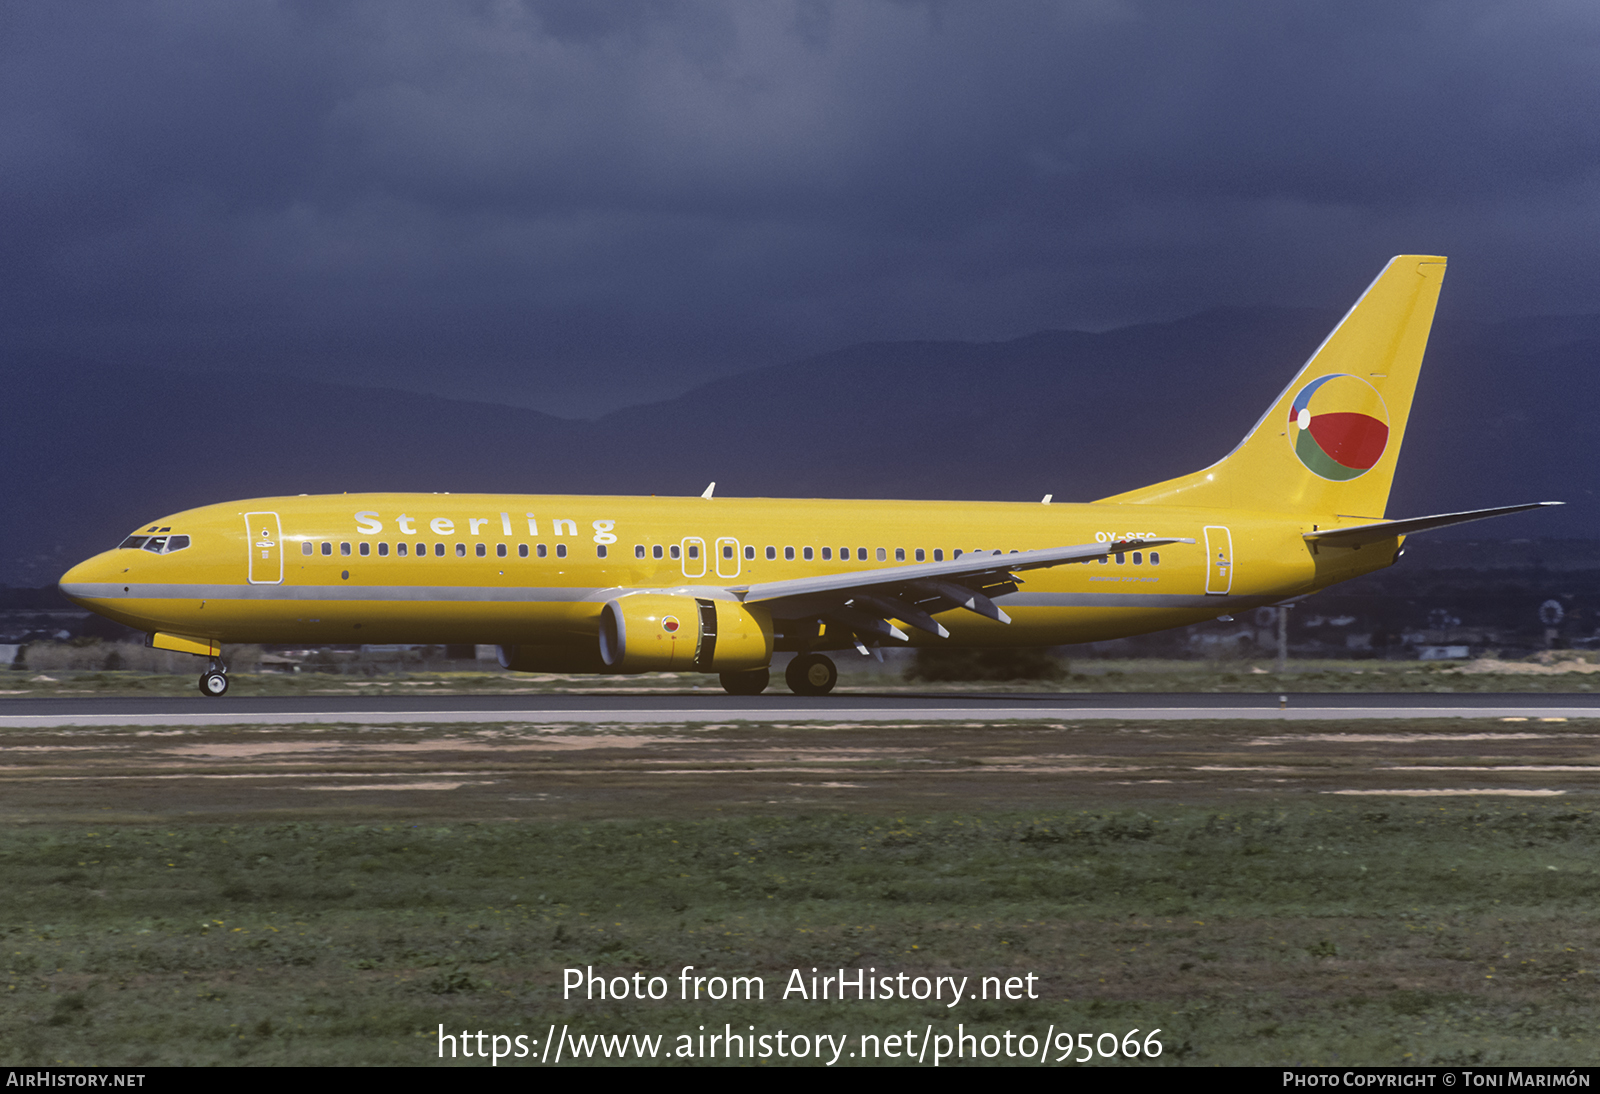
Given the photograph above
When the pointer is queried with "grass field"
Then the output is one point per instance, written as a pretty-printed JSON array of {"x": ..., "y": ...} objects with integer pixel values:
[{"x": 1310, "y": 931}]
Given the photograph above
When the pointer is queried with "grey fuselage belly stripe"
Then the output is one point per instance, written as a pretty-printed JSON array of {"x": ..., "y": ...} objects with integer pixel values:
[
  {"x": 516, "y": 594},
  {"x": 556, "y": 594}
]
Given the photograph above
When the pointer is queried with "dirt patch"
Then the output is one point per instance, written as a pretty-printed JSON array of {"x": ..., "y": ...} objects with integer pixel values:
[
  {"x": 507, "y": 770},
  {"x": 1474, "y": 792}
]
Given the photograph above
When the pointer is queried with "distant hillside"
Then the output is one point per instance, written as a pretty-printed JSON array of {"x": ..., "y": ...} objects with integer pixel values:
[{"x": 1503, "y": 414}]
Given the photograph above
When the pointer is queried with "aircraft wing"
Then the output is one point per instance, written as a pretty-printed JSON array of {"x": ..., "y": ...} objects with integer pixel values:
[
  {"x": 867, "y": 601},
  {"x": 1361, "y": 534}
]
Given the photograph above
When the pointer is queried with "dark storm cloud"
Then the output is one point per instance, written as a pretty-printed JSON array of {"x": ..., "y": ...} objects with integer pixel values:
[{"x": 580, "y": 204}]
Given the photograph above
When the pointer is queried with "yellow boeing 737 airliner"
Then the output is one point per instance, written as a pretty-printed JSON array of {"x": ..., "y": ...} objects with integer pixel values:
[{"x": 623, "y": 585}]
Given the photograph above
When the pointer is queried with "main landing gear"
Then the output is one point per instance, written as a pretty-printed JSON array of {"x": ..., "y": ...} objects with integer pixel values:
[
  {"x": 214, "y": 681},
  {"x": 811, "y": 674}
]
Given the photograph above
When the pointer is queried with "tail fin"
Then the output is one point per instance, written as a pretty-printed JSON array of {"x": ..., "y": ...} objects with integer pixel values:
[{"x": 1330, "y": 442}]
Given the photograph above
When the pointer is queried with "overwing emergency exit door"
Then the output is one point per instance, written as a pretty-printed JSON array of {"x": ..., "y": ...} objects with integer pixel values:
[
  {"x": 727, "y": 557},
  {"x": 266, "y": 548},
  {"x": 1219, "y": 560},
  {"x": 694, "y": 556}
]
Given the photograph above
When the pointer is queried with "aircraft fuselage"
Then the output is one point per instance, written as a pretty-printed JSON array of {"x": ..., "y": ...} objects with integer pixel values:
[{"x": 536, "y": 569}]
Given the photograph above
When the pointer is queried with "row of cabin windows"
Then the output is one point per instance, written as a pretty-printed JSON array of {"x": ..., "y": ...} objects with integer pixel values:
[
  {"x": 481, "y": 550},
  {"x": 882, "y": 554},
  {"x": 401, "y": 550}
]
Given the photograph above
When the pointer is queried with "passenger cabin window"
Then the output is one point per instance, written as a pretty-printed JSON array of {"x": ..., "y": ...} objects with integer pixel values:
[
  {"x": 1138, "y": 559},
  {"x": 327, "y": 548},
  {"x": 827, "y": 554},
  {"x": 344, "y": 549},
  {"x": 638, "y": 551},
  {"x": 674, "y": 550},
  {"x": 461, "y": 550},
  {"x": 1155, "y": 559},
  {"x": 383, "y": 550},
  {"x": 772, "y": 553},
  {"x": 522, "y": 550},
  {"x": 542, "y": 550},
  {"x": 438, "y": 550},
  {"x": 305, "y": 548},
  {"x": 600, "y": 551},
  {"x": 899, "y": 554},
  {"x": 788, "y": 554},
  {"x": 750, "y": 553},
  {"x": 922, "y": 556},
  {"x": 727, "y": 550},
  {"x": 561, "y": 550},
  {"x": 366, "y": 548},
  {"x": 500, "y": 550},
  {"x": 938, "y": 554},
  {"x": 694, "y": 550},
  {"x": 808, "y": 554},
  {"x": 1121, "y": 558},
  {"x": 400, "y": 549},
  {"x": 882, "y": 555},
  {"x": 655, "y": 552}
]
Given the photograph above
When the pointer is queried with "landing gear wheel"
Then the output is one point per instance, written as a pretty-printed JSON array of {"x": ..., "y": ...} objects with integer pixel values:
[
  {"x": 213, "y": 683},
  {"x": 751, "y": 682},
  {"x": 811, "y": 674}
]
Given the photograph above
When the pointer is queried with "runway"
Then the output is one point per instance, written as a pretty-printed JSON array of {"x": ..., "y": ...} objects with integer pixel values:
[
  {"x": 600, "y": 756},
  {"x": 602, "y": 708}
]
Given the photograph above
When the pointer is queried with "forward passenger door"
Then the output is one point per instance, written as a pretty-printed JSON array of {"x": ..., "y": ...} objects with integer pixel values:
[{"x": 265, "y": 539}]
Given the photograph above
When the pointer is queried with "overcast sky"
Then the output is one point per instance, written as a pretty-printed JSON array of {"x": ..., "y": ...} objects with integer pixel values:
[{"x": 579, "y": 204}]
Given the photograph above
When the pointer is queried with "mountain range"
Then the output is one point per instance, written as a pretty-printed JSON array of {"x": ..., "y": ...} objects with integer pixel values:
[{"x": 1504, "y": 413}]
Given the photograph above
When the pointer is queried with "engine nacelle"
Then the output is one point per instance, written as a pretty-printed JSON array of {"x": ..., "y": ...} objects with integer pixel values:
[{"x": 655, "y": 632}]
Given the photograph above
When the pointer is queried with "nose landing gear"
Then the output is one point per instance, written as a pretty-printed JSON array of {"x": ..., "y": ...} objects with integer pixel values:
[{"x": 214, "y": 681}]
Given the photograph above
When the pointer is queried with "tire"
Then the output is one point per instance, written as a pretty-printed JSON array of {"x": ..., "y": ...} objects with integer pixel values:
[
  {"x": 213, "y": 684},
  {"x": 811, "y": 674},
  {"x": 750, "y": 682}
]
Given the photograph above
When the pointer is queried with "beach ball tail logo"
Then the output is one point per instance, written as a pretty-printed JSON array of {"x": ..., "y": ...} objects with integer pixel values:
[{"x": 1339, "y": 427}]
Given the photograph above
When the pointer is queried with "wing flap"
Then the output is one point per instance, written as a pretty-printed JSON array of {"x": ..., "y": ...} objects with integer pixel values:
[
  {"x": 964, "y": 570},
  {"x": 868, "y": 603}
]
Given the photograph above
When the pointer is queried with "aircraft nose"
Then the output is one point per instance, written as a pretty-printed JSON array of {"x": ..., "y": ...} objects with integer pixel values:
[{"x": 87, "y": 579}]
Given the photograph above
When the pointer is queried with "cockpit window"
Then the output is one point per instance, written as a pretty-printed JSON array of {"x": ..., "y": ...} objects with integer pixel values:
[{"x": 156, "y": 545}]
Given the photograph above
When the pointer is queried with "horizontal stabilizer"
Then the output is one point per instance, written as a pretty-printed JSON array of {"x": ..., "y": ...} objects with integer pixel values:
[{"x": 1360, "y": 534}]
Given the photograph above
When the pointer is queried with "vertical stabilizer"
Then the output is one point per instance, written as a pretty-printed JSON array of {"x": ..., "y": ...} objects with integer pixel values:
[{"x": 1330, "y": 442}]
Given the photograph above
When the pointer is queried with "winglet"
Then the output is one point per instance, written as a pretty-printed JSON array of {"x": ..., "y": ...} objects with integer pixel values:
[{"x": 709, "y": 489}]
